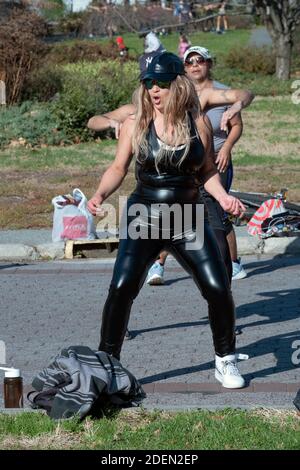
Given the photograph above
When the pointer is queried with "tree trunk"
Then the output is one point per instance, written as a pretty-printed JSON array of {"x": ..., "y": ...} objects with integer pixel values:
[{"x": 283, "y": 50}]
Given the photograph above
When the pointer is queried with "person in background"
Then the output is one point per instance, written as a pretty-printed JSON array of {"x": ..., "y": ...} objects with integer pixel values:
[
  {"x": 183, "y": 45},
  {"x": 222, "y": 22},
  {"x": 184, "y": 12},
  {"x": 152, "y": 47},
  {"x": 208, "y": 11},
  {"x": 123, "y": 50}
]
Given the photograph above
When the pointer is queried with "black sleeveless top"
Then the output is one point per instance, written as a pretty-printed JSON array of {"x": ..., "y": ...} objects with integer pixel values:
[{"x": 187, "y": 175}]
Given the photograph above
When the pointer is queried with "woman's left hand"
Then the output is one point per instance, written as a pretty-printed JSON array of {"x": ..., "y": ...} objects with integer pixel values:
[{"x": 232, "y": 205}]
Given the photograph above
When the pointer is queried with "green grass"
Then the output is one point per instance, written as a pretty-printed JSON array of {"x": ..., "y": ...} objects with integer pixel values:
[
  {"x": 279, "y": 107},
  {"x": 86, "y": 155},
  {"x": 263, "y": 85},
  {"x": 245, "y": 159},
  {"x": 138, "y": 429},
  {"x": 218, "y": 44}
]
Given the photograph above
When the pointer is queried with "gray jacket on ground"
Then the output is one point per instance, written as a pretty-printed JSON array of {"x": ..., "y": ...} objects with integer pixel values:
[{"x": 85, "y": 375}]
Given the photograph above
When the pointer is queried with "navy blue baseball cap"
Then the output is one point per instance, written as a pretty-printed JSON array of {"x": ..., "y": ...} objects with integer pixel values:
[{"x": 164, "y": 67}]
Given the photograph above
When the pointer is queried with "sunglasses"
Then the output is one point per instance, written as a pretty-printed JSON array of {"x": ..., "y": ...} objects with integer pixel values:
[
  {"x": 149, "y": 83},
  {"x": 194, "y": 61}
]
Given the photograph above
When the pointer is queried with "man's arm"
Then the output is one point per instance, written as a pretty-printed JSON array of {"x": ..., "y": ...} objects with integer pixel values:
[
  {"x": 113, "y": 119},
  {"x": 235, "y": 132}
]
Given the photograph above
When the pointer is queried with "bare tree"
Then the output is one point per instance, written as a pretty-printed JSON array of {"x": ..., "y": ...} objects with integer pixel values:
[
  {"x": 281, "y": 18},
  {"x": 20, "y": 49}
]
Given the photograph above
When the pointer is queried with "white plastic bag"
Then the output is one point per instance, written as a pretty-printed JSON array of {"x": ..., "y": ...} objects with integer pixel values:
[{"x": 71, "y": 219}]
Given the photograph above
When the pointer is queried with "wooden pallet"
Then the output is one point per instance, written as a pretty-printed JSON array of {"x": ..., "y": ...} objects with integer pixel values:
[{"x": 85, "y": 247}]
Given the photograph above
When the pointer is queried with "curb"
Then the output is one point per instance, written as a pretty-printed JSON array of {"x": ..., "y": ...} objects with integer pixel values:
[
  {"x": 268, "y": 246},
  {"x": 56, "y": 251},
  {"x": 21, "y": 252}
]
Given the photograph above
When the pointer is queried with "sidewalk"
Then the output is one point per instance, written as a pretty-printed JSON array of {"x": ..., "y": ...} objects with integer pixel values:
[
  {"x": 47, "y": 306},
  {"x": 33, "y": 245}
]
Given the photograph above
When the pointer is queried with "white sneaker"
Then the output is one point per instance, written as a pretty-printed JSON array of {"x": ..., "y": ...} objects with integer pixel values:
[
  {"x": 155, "y": 275},
  {"x": 128, "y": 335},
  {"x": 238, "y": 271},
  {"x": 227, "y": 371}
]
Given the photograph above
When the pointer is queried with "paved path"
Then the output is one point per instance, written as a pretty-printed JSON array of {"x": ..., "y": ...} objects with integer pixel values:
[{"x": 49, "y": 306}]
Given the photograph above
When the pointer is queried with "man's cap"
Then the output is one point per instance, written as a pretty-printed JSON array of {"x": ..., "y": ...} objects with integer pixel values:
[
  {"x": 165, "y": 67},
  {"x": 152, "y": 43},
  {"x": 198, "y": 50}
]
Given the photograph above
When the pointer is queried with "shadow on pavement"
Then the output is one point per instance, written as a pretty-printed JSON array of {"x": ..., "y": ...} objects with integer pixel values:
[
  {"x": 135, "y": 333},
  {"x": 271, "y": 265},
  {"x": 276, "y": 307},
  {"x": 14, "y": 265},
  {"x": 168, "y": 282}
]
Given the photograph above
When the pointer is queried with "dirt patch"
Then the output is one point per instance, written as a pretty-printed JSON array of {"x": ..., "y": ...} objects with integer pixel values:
[
  {"x": 268, "y": 180},
  {"x": 261, "y": 139},
  {"x": 58, "y": 440},
  {"x": 25, "y": 197}
]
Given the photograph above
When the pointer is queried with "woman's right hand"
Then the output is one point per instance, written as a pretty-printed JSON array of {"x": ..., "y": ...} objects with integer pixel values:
[
  {"x": 229, "y": 114},
  {"x": 94, "y": 206},
  {"x": 232, "y": 205}
]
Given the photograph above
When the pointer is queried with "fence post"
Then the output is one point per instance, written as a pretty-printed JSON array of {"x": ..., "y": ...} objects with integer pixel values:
[
  {"x": 2, "y": 93},
  {"x": 2, "y": 352},
  {"x": 2, "y": 88}
]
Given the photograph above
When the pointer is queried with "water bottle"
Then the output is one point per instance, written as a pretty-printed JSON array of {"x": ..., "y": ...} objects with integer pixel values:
[{"x": 13, "y": 388}]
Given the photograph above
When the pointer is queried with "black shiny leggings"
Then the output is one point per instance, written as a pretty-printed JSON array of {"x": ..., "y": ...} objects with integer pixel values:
[{"x": 206, "y": 267}]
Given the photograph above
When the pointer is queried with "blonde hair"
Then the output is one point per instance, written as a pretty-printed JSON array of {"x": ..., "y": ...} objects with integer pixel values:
[{"x": 183, "y": 99}]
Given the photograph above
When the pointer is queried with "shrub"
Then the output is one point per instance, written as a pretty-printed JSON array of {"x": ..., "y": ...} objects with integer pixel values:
[
  {"x": 30, "y": 124},
  {"x": 43, "y": 83},
  {"x": 72, "y": 23},
  {"x": 241, "y": 22},
  {"x": 90, "y": 89},
  {"x": 79, "y": 51},
  {"x": 251, "y": 59}
]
